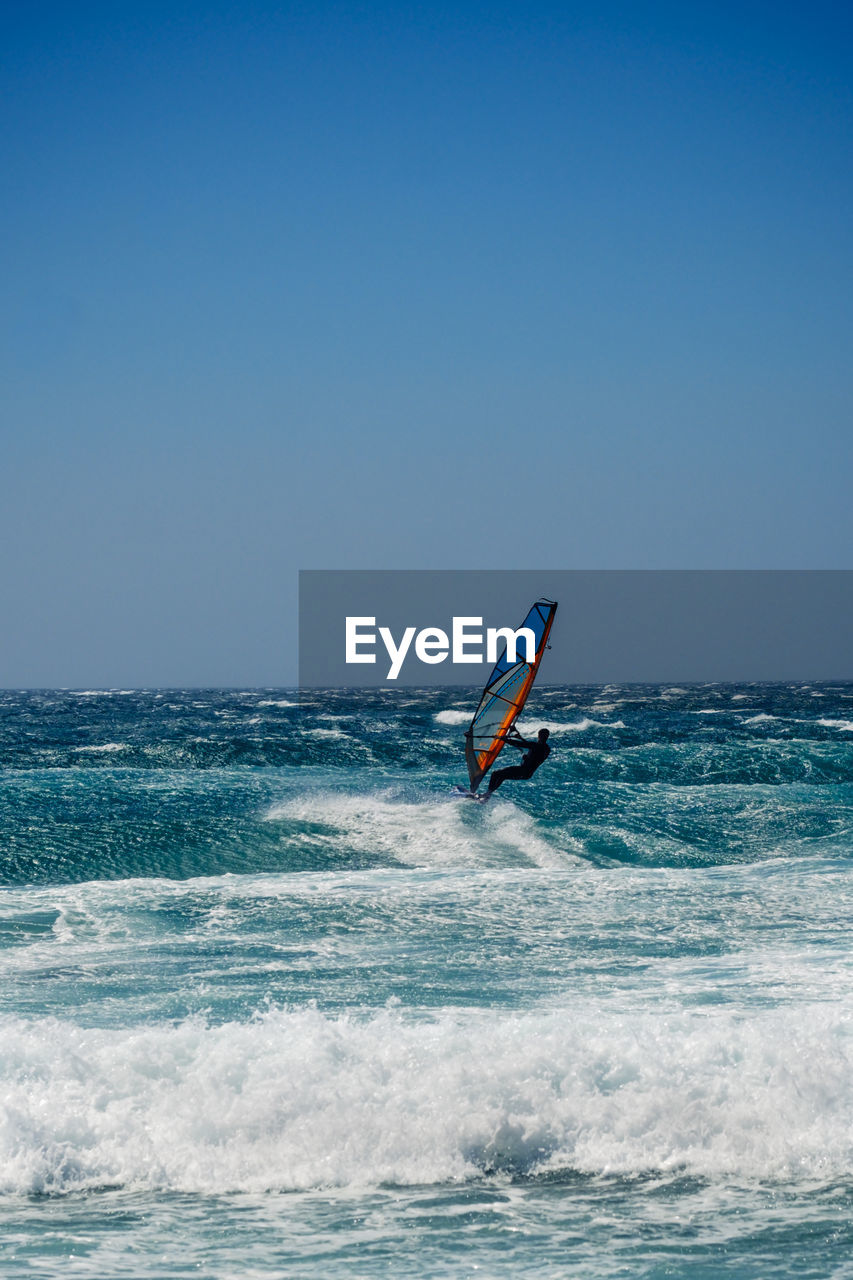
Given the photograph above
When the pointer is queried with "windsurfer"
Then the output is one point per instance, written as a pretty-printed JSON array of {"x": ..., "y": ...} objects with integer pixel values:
[{"x": 537, "y": 754}]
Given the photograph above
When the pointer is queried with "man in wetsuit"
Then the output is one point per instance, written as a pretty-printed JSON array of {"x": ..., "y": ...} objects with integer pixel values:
[{"x": 537, "y": 753}]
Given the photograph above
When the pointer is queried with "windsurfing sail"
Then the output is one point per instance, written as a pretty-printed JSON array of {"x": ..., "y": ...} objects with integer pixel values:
[{"x": 505, "y": 694}]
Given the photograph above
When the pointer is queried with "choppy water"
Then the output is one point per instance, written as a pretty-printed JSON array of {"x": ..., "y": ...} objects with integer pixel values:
[{"x": 272, "y": 1003}]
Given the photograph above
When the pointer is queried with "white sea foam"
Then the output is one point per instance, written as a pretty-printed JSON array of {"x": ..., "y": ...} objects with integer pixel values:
[
  {"x": 106, "y": 746},
  {"x": 533, "y": 725},
  {"x": 426, "y": 834},
  {"x": 845, "y": 725},
  {"x": 415, "y": 834},
  {"x": 277, "y": 702},
  {"x": 528, "y": 727},
  {"x": 297, "y": 1099},
  {"x": 515, "y": 829}
]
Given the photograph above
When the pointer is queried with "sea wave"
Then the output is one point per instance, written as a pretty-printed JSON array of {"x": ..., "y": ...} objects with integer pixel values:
[
  {"x": 298, "y": 1099},
  {"x": 420, "y": 832},
  {"x": 572, "y": 726},
  {"x": 527, "y": 725}
]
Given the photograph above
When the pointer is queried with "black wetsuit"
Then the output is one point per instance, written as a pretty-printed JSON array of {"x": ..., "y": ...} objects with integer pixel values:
[{"x": 536, "y": 754}]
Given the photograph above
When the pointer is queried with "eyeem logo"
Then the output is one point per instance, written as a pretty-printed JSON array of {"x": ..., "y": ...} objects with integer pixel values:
[{"x": 433, "y": 645}]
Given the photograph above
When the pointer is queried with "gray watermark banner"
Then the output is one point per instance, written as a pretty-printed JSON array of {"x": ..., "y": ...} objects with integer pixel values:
[{"x": 422, "y": 627}]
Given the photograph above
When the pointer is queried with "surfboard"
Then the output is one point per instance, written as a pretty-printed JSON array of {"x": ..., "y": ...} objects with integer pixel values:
[{"x": 465, "y": 793}]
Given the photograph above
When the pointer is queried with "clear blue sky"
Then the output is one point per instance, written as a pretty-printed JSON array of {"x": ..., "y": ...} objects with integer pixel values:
[{"x": 389, "y": 286}]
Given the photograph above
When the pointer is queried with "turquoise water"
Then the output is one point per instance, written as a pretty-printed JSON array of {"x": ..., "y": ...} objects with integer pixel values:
[{"x": 273, "y": 1003}]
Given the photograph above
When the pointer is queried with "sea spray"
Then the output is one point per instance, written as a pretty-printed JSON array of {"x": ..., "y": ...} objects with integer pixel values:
[{"x": 294, "y": 1099}]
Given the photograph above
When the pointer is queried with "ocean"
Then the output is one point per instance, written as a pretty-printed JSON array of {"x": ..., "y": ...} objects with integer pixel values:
[{"x": 274, "y": 1003}]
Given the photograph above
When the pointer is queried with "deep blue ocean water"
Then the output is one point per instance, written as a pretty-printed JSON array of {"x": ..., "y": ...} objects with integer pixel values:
[{"x": 273, "y": 1003}]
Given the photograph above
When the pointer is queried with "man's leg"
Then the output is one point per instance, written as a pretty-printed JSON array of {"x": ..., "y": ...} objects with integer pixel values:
[{"x": 518, "y": 771}]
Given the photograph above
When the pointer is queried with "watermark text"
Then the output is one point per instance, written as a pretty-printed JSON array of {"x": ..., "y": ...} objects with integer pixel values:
[{"x": 432, "y": 644}]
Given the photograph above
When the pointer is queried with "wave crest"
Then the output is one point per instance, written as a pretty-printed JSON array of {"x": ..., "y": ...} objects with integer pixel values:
[{"x": 297, "y": 1099}]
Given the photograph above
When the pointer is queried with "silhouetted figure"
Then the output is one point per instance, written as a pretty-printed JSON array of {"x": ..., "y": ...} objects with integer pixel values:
[{"x": 537, "y": 753}]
